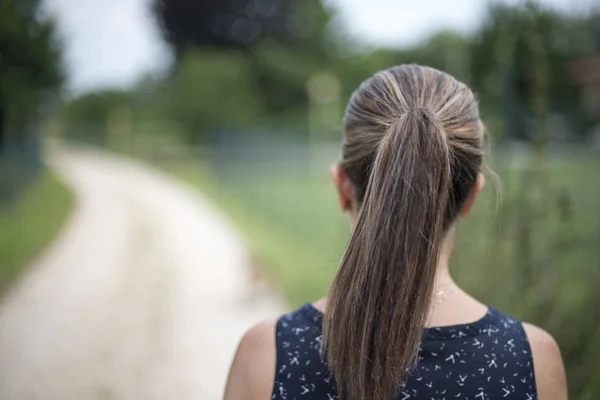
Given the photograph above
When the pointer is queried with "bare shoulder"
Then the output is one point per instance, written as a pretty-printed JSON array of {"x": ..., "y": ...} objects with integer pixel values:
[
  {"x": 550, "y": 375},
  {"x": 252, "y": 370}
]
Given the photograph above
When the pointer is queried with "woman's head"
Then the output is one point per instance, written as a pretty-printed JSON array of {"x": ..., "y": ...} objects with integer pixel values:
[
  {"x": 391, "y": 95},
  {"x": 411, "y": 159}
]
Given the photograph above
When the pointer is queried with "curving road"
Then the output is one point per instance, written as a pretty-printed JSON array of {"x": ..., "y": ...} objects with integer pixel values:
[{"x": 143, "y": 296}]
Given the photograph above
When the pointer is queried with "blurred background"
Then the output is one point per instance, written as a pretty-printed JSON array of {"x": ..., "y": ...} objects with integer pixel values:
[{"x": 243, "y": 100}]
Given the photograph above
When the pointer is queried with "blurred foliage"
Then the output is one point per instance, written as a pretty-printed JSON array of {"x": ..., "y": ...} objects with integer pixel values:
[
  {"x": 30, "y": 67},
  {"x": 517, "y": 63},
  {"x": 30, "y": 76},
  {"x": 212, "y": 91},
  {"x": 187, "y": 25},
  {"x": 519, "y": 66},
  {"x": 271, "y": 47},
  {"x": 88, "y": 116}
]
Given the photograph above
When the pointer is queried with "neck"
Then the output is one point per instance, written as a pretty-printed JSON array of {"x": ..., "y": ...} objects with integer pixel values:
[{"x": 442, "y": 276}]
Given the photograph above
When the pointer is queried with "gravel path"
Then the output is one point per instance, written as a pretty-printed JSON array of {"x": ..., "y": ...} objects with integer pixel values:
[{"x": 143, "y": 296}]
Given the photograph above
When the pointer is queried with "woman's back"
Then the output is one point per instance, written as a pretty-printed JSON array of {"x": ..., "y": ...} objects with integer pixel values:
[
  {"x": 487, "y": 359},
  {"x": 409, "y": 169}
]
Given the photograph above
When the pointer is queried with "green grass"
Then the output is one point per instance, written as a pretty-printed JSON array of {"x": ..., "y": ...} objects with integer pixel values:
[
  {"x": 28, "y": 226},
  {"x": 292, "y": 223},
  {"x": 536, "y": 255},
  {"x": 295, "y": 226}
]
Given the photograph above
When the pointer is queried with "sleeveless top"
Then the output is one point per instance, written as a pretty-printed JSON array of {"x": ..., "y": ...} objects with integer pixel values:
[{"x": 487, "y": 359}]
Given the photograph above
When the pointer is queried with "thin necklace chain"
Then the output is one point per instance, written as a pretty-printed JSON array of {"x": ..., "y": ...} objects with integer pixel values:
[{"x": 441, "y": 294}]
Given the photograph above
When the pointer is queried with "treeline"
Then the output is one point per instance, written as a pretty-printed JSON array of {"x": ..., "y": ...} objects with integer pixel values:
[{"x": 242, "y": 66}]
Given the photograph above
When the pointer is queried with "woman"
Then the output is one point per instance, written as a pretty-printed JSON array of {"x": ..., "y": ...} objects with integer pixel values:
[{"x": 394, "y": 324}]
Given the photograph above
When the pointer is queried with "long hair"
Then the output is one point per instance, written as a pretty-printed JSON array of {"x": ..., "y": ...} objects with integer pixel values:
[{"x": 412, "y": 150}]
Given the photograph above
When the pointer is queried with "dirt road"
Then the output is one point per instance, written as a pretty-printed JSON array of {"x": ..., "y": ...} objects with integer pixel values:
[{"x": 143, "y": 296}]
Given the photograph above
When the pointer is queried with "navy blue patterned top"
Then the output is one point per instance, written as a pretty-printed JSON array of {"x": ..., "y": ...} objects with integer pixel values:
[{"x": 487, "y": 359}]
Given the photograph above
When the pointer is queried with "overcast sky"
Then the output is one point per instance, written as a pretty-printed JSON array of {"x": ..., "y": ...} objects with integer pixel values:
[{"x": 111, "y": 43}]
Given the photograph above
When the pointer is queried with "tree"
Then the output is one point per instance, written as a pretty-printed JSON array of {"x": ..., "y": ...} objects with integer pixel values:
[
  {"x": 518, "y": 64},
  {"x": 212, "y": 91},
  {"x": 30, "y": 73},
  {"x": 30, "y": 67},
  {"x": 275, "y": 45},
  {"x": 87, "y": 117},
  {"x": 232, "y": 23}
]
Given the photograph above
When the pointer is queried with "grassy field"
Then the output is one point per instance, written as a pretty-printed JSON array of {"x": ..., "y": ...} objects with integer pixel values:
[
  {"x": 28, "y": 226},
  {"x": 536, "y": 255},
  {"x": 292, "y": 223}
]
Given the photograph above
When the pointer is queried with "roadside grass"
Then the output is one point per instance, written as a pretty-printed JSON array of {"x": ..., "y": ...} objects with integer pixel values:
[
  {"x": 293, "y": 222},
  {"x": 29, "y": 225}
]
